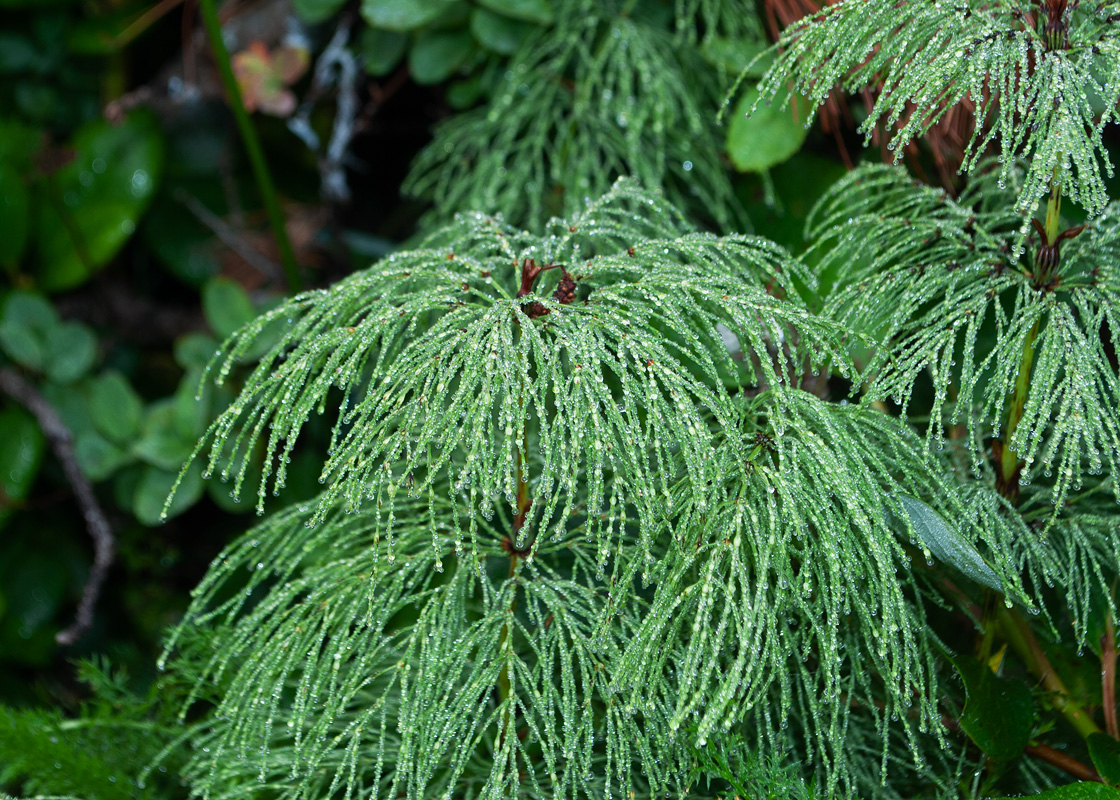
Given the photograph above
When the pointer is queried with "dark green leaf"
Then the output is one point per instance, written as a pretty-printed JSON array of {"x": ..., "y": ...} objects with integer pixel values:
[
  {"x": 403, "y": 15},
  {"x": 434, "y": 57},
  {"x": 15, "y": 212},
  {"x": 154, "y": 487},
  {"x": 735, "y": 55},
  {"x": 997, "y": 712},
  {"x": 497, "y": 32},
  {"x": 381, "y": 50},
  {"x": 192, "y": 416},
  {"x": 1105, "y": 752},
  {"x": 69, "y": 353},
  {"x": 947, "y": 544},
  {"x": 21, "y": 452},
  {"x": 226, "y": 305},
  {"x": 161, "y": 443},
  {"x": 115, "y": 407},
  {"x": 21, "y": 345},
  {"x": 317, "y": 10},
  {"x": 193, "y": 350},
  {"x": 538, "y": 11},
  {"x": 96, "y": 200},
  {"x": 767, "y": 137},
  {"x": 98, "y": 457},
  {"x": 29, "y": 310},
  {"x": 25, "y": 321}
]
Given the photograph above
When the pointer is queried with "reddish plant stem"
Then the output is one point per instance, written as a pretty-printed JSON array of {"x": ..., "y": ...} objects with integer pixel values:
[{"x": 1078, "y": 769}]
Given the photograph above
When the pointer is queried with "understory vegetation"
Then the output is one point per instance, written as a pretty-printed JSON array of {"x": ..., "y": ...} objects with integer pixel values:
[{"x": 638, "y": 398}]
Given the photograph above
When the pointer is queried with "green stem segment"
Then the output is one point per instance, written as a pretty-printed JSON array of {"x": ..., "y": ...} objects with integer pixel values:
[
  {"x": 524, "y": 504},
  {"x": 209, "y": 12},
  {"x": 1010, "y": 465},
  {"x": 1022, "y": 640}
]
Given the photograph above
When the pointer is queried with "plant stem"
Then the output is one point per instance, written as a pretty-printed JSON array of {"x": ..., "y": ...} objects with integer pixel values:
[
  {"x": 1010, "y": 465},
  {"x": 1108, "y": 677},
  {"x": 1009, "y": 459},
  {"x": 1022, "y": 640},
  {"x": 209, "y": 12}
]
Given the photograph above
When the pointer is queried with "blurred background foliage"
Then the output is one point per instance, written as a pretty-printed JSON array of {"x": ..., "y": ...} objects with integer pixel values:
[{"x": 134, "y": 236}]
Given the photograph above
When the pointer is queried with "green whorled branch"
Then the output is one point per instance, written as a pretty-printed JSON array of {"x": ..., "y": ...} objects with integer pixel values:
[{"x": 209, "y": 11}]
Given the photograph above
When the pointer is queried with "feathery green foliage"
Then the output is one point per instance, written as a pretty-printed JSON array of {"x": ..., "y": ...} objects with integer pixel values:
[
  {"x": 613, "y": 88},
  {"x": 591, "y": 529},
  {"x": 1043, "y": 87},
  {"x": 930, "y": 276},
  {"x": 441, "y": 368},
  {"x": 96, "y": 755}
]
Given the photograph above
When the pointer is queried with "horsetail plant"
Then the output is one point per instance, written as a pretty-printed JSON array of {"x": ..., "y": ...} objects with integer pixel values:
[{"x": 591, "y": 527}]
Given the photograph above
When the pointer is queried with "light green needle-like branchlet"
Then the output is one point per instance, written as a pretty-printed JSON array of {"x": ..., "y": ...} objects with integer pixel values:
[
  {"x": 438, "y": 368},
  {"x": 1040, "y": 96},
  {"x": 795, "y": 592},
  {"x": 933, "y": 278}
]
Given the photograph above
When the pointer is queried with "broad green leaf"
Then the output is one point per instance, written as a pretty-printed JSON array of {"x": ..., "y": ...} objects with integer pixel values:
[
  {"x": 154, "y": 487},
  {"x": 434, "y": 57},
  {"x": 15, "y": 212},
  {"x": 21, "y": 345},
  {"x": 90, "y": 207},
  {"x": 193, "y": 350},
  {"x": 116, "y": 407},
  {"x": 98, "y": 457},
  {"x": 997, "y": 712},
  {"x": 25, "y": 321},
  {"x": 947, "y": 544},
  {"x": 1076, "y": 791},
  {"x": 767, "y": 137},
  {"x": 317, "y": 10},
  {"x": 161, "y": 443},
  {"x": 1105, "y": 752},
  {"x": 226, "y": 305},
  {"x": 381, "y": 50},
  {"x": 192, "y": 416},
  {"x": 403, "y": 15},
  {"x": 735, "y": 55},
  {"x": 69, "y": 353},
  {"x": 21, "y": 452},
  {"x": 538, "y": 11},
  {"x": 30, "y": 310},
  {"x": 497, "y": 32}
]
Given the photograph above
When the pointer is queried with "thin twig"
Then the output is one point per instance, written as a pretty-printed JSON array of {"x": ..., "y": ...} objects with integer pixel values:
[{"x": 62, "y": 443}]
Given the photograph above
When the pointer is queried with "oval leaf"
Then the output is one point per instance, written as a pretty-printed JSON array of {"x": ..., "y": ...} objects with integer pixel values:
[
  {"x": 948, "y": 545},
  {"x": 115, "y": 407},
  {"x": 226, "y": 305},
  {"x": 402, "y": 15},
  {"x": 433, "y": 58},
  {"x": 997, "y": 712},
  {"x": 21, "y": 452},
  {"x": 71, "y": 349},
  {"x": 538, "y": 11},
  {"x": 1105, "y": 752},
  {"x": 767, "y": 137}
]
